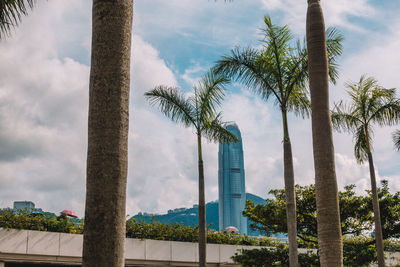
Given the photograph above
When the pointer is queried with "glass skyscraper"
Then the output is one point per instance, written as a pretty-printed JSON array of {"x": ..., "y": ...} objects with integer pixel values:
[{"x": 231, "y": 184}]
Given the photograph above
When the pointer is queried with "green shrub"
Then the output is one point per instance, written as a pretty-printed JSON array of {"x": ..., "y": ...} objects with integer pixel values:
[
  {"x": 180, "y": 232},
  {"x": 278, "y": 256},
  {"x": 134, "y": 229},
  {"x": 26, "y": 220},
  {"x": 392, "y": 245},
  {"x": 359, "y": 251}
]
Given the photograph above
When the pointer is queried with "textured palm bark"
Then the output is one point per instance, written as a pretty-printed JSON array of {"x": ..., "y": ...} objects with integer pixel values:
[
  {"x": 377, "y": 215},
  {"x": 104, "y": 232},
  {"x": 329, "y": 231},
  {"x": 290, "y": 194},
  {"x": 202, "y": 209}
]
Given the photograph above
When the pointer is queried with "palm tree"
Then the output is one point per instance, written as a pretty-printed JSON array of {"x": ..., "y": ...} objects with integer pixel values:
[
  {"x": 197, "y": 111},
  {"x": 328, "y": 216},
  {"x": 370, "y": 103},
  {"x": 279, "y": 70},
  {"x": 11, "y": 12},
  {"x": 396, "y": 139},
  {"x": 104, "y": 233}
]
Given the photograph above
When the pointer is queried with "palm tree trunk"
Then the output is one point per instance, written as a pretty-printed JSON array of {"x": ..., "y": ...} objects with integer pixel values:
[
  {"x": 290, "y": 193},
  {"x": 104, "y": 233},
  {"x": 202, "y": 208},
  {"x": 377, "y": 215},
  {"x": 329, "y": 231}
]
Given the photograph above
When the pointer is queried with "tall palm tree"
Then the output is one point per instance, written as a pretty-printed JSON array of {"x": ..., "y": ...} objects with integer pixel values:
[
  {"x": 197, "y": 111},
  {"x": 104, "y": 233},
  {"x": 11, "y": 12},
  {"x": 370, "y": 104},
  {"x": 328, "y": 215},
  {"x": 280, "y": 71},
  {"x": 396, "y": 139}
]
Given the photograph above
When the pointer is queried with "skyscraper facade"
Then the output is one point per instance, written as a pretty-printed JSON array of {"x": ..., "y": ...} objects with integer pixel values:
[{"x": 231, "y": 184}]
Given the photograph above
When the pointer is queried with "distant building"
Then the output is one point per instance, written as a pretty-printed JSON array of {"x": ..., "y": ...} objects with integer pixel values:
[
  {"x": 231, "y": 184},
  {"x": 24, "y": 205},
  {"x": 176, "y": 210}
]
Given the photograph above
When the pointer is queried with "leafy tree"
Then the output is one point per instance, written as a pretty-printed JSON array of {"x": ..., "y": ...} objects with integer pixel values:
[
  {"x": 396, "y": 139},
  {"x": 355, "y": 213},
  {"x": 389, "y": 205},
  {"x": 267, "y": 257},
  {"x": 11, "y": 12},
  {"x": 329, "y": 235},
  {"x": 279, "y": 70},
  {"x": 357, "y": 252},
  {"x": 107, "y": 154},
  {"x": 197, "y": 111},
  {"x": 370, "y": 104}
]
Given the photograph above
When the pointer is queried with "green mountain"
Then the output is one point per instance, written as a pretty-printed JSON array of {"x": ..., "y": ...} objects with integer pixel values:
[{"x": 189, "y": 216}]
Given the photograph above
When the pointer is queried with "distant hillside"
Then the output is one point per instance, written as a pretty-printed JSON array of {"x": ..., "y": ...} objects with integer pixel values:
[{"x": 189, "y": 216}]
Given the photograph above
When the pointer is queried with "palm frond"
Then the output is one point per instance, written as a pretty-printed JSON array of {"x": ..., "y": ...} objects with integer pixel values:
[
  {"x": 210, "y": 92},
  {"x": 173, "y": 104},
  {"x": 370, "y": 103},
  {"x": 334, "y": 41},
  {"x": 296, "y": 71},
  {"x": 276, "y": 39},
  {"x": 215, "y": 131},
  {"x": 396, "y": 139},
  {"x": 276, "y": 45},
  {"x": 360, "y": 144},
  {"x": 344, "y": 119},
  {"x": 249, "y": 67},
  {"x": 386, "y": 114},
  {"x": 299, "y": 102},
  {"x": 11, "y": 12},
  {"x": 334, "y": 49}
]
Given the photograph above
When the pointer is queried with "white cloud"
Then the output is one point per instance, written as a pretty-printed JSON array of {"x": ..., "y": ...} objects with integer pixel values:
[
  {"x": 193, "y": 74},
  {"x": 336, "y": 13},
  {"x": 43, "y": 105}
]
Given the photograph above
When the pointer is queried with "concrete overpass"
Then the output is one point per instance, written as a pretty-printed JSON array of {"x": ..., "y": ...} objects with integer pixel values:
[{"x": 25, "y": 246}]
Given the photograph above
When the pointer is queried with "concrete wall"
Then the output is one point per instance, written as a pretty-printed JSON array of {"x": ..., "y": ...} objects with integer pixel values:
[
  {"x": 36, "y": 246},
  {"x": 47, "y": 247}
]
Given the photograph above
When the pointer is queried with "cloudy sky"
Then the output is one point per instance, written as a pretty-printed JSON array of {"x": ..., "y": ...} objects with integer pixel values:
[{"x": 44, "y": 73}]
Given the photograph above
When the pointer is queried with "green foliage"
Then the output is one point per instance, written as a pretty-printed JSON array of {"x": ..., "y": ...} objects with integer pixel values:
[
  {"x": 359, "y": 251},
  {"x": 389, "y": 205},
  {"x": 355, "y": 213},
  {"x": 134, "y": 229},
  {"x": 396, "y": 139},
  {"x": 356, "y": 221},
  {"x": 180, "y": 232},
  {"x": 198, "y": 110},
  {"x": 392, "y": 245},
  {"x": 279, "y": 67},
  {"x": 370, "y": 104},
  {"x": 278, "y": 256},
  {"x": 11, "y": 12},
  {"x": 29, "y": 221}
]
